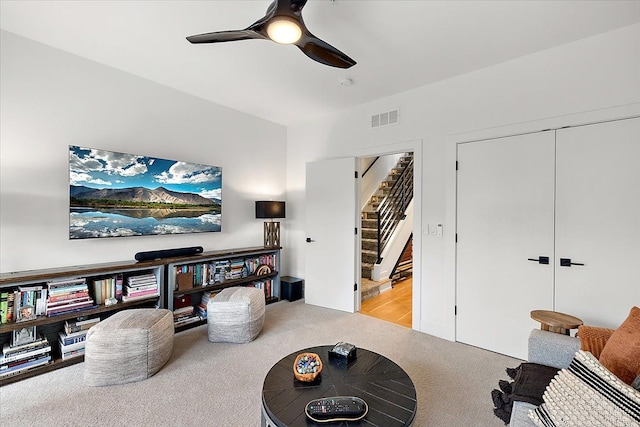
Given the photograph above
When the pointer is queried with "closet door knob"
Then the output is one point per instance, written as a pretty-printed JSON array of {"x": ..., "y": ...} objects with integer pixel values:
[
  {"x": 540, "y": 260},
  {"x": 566, "y": 262}
]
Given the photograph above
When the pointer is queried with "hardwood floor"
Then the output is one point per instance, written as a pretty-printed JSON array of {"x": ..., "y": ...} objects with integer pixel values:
[{"x": 393, "y": 306}]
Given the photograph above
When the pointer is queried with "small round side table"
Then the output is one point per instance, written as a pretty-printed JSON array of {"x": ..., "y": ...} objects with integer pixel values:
[{"x": 553, "y": 321}]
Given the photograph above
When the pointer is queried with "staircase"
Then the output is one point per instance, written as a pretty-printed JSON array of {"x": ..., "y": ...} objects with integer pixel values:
[
  {"x": 379, "y": 218},
  {"x": 404, "y": 267}
]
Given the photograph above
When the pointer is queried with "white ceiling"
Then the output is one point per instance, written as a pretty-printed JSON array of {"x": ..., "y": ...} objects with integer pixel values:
[{"x": 399, "y": 45}]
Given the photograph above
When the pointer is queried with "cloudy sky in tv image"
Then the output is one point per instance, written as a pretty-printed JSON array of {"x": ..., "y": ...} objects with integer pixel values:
[{"x": 106, "y": 169}]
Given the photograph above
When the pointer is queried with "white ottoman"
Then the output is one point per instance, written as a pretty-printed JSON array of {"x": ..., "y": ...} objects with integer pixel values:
[
  {"x": 236, "y": 315},
  {"x": 129, "y": 346}
]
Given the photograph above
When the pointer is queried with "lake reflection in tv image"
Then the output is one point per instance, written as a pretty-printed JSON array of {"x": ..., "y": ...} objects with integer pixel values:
[
  {"x": 88, "y": 223},
  {"x": 117, "y": 194}
]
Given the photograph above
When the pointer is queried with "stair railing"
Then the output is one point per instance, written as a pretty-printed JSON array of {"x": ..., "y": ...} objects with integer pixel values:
[
  {"x": 401, "y": 257},
  {"x": 391, "y": 210}
]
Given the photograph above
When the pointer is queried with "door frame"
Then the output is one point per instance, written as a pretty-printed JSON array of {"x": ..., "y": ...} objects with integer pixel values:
[{"x": 414, "y": 146}]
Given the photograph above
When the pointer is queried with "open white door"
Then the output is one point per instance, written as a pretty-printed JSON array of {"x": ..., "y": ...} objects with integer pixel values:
[{"x": 330, "y": 255}]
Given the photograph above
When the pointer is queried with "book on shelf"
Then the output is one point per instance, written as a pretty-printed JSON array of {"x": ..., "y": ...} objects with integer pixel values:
[
  {"x": 62, "y": 283},
  {"x": 13, "y": 357},
  {"x": 62, "y": 303},
  {"x": 72, "y": 326},
  {"x": 130, "y": 289},
  {"x": 143, "y": 292},
  {"x": 9, "y": 349},
  {"x": 73, "y": 337},
  {"x": 10, "y": 310},
  {"x": 66, "y": 348},
  {"x": 119, "y": 283},
  {"x": 68, "y": 308},
  {"x": 142, "y": 279},
  {"x": 68, "y": 290},
  {"x": 187, "y": 321},
  {"x": 4, "y": 297},
  {"x": 23, "y": 367},
  {"x": 127, "y": 298},
  {"x": 73, "y": 353},
  {"x": 68, "y": 296},
  {"x": 183, "y": 311}
]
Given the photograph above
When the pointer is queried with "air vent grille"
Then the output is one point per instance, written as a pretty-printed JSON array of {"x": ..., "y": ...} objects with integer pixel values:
[{"x": 385, "y": 119}]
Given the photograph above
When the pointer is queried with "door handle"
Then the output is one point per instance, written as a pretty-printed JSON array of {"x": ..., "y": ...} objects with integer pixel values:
[
  {"x": 309, "y": 240},
  {"x": 566, "y": 262},
  {"x": 540, "y": 260}
]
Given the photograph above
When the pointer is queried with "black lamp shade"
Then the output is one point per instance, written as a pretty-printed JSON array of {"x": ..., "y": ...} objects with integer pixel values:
[{"x": 270, "y": 209}]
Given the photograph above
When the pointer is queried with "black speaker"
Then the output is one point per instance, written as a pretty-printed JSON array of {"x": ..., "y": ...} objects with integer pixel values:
[{"x": 168, "y": 253}]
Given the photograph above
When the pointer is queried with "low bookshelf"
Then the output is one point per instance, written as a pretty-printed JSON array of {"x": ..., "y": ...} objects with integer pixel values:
[
  {"x": 193, "y": 280},
  {"x": 104, "y": 289},
  {"x": 40, "y": 306}
]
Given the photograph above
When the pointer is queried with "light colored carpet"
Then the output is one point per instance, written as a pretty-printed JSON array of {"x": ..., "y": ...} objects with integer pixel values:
[{"x": 219, "y": 384}]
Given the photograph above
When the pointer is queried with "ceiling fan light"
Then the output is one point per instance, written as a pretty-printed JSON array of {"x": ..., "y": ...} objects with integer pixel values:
[{"x": 284, "y": 30}]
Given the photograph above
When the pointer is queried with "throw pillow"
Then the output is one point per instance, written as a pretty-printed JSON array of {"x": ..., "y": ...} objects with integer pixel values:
[
  {"x": 586, "y": 394},
  {"x": 593, "y": 339},
  {"x": 621, "y": 354}
]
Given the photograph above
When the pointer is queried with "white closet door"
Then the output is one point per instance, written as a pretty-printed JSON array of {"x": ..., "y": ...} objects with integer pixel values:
[
  {"x": 504, "y": 218},
  {"x": 598, "y": 221}
]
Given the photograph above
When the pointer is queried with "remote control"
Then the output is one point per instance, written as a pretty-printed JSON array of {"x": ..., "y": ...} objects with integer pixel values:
[{"x": 339, "y": 408}]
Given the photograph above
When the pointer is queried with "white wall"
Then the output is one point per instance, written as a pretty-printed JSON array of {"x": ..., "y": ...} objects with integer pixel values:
[
  {"x": 590, "y": 79},
  {"x": 51, "y": 99}
]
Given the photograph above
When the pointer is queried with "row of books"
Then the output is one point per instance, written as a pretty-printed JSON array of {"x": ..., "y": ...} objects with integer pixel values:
[
  {"x": 218, "y": 271},
  {"x": 108, "y": 288},
  {"x": 27, "y": 351},
  {"x": 72, "y": 344},
  {"x": 69, "y": 295},
  {"x": 265, "y": 285},
  {"x": 20, "y": 357},
  {"x": 185, "y": 313},
  {"x": 24, "y": 303},
  {"x": 253, "y": 263},
  {"x": 202, "y": 307},
  {"x": 140, "y": 287},
  {"x": 72, "y": 339}
]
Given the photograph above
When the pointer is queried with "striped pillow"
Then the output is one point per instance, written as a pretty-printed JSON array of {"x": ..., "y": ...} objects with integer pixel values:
[{"x": 586, "y": 394}]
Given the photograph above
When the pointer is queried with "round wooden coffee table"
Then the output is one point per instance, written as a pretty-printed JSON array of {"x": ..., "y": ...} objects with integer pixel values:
[
  {"x": 553, "y": 321},
  {"x": 384, "y": 385}
]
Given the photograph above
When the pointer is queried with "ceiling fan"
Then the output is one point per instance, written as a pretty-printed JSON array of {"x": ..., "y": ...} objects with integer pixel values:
[{"x": 283, "y": 24}]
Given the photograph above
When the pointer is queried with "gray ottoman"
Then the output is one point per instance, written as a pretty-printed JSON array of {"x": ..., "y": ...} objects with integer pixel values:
[
  {"x": 236, "y": 315},
  {"x": 129, "y": 346}
]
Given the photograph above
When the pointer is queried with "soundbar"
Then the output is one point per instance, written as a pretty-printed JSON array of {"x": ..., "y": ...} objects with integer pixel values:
[{"x": 168, "y": 253}]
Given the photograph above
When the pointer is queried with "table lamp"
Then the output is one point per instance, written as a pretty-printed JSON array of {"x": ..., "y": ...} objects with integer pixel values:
[{"x": 270, "y": 210}]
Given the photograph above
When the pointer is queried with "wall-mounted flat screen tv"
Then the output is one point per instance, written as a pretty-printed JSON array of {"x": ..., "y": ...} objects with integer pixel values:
[{"x": 117, "y": 194}]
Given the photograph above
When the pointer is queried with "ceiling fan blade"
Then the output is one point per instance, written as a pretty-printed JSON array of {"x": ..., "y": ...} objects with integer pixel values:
[
  {"x": 225, "y": 36},
  {"x": 253, "y": 31},
  {"x": 323, "y": 52}
]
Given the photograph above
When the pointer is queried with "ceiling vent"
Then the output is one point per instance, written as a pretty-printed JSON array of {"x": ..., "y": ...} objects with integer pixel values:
[{"x": 385, "y": 119}]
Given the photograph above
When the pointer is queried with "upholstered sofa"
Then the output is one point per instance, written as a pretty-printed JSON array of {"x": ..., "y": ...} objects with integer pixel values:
[
  {"x": 549, "y": 349},
  {"x": 598, "y": 377}
]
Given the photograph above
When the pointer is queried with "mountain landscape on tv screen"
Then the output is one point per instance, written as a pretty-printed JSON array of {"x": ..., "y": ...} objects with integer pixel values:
[{"x": 115, "y": 194}]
